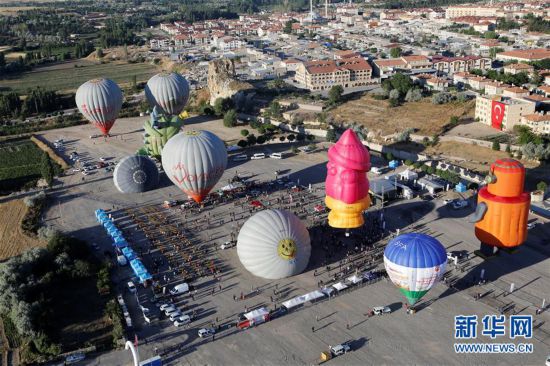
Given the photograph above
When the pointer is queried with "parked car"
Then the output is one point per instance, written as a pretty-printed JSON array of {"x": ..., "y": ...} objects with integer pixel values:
[
  {"x": 276, "y": 156},
  {"x": 182, "y": 320},
  {"x": 131, "y": 287},
  {"x": 532, "y": 225},
  {"x": 339, "y": 349},
  {"x": 258, "y": 156},
  {"x": 241, "y": 157},
  {"x": 180, "y": 289},
  {"x": 205, "y": 332},
  {"x": 175, "y": 315},
  {"x": 164, "y": 306},
  {"x": 168, "y": 312},
  {"x": 74, "y": 358},
  {"x": 379, "y": 310},
  {"x": 228, "y": 244},
  {"x": 457, "y": 205}
]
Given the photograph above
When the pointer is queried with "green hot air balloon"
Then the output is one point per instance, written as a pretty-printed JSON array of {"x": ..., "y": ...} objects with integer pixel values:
[{"x": 158, "y": 130}]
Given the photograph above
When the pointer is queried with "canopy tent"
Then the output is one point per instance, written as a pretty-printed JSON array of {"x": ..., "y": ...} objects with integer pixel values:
[
  {"x": 140, "y": 271},
  {"x": 340, "y": 286},
  {"x": 408, "y": 175},
  {"x": 107, "y": 223},
  {"x": 121, "y": 244},
  {"x": 289, "y": 304},
  {"x": 394, "y": 164},
  {"x": 129, "y": 253},
  {"x": 461, "y": 187},
  {"x": 314, "y": 295},
  {"x": 327, "y": 291},
  {"x": 355, "y": 279}
]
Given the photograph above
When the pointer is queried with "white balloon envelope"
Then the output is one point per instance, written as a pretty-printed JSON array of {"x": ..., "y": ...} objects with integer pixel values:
[{"x": 274, "y": 244}]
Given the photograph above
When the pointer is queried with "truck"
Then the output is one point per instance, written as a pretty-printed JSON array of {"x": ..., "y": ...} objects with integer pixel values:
[
  {"x": 253, "y": 318},
  {"x": 334, "y": 351}
]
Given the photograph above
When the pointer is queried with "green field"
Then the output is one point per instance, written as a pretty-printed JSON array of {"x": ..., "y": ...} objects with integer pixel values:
[
  {"x": 19, "y": 163},
  {"x": 67, "y": 77}
]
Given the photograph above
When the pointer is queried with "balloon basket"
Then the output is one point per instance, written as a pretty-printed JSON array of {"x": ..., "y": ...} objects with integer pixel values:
[{"x": 486, "y": 251}]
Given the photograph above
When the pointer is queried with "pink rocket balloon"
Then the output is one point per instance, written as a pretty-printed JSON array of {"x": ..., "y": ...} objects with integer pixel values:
[{"x": 347, "y": 186}]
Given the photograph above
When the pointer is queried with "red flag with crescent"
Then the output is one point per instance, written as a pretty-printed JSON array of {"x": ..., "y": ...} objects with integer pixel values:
[{"x": 497, "y": 114}]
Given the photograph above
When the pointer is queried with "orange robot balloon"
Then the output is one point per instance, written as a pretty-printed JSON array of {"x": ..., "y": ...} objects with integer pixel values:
[{"x": 503, "y": 207}]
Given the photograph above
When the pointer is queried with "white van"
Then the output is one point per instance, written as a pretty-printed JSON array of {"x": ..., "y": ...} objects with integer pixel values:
[
  {"x": 376, "y": 170},
  {"x": 276, "y": 156},
  {"x": 258, "y": 156},
  {"x": 241, "y": 157},
  {"x": 182, "y": 320},
  {"x": 180, "y": 289}
]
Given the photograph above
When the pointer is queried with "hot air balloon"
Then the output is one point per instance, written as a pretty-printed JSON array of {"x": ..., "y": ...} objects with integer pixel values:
[
  {"x": 347, "y": 186},
  {"x": 415, "y": 262},
  {"x": 274, "y": 244},
  {"x": 194, "y": 161},
  {"x": 158, "y": 130},
  {"x": 169, "y": 91},
  {"x": 503, "y": 207},
  {"x": 135, "y": 174},
  {"x": 99, "y": 101}
]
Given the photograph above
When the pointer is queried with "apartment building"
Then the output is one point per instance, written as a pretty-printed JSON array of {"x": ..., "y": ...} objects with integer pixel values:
[
  {"x": 535, "y": 54},
  {"x": 501, "y": 112},
  {"x": 538, "y": 122},
  {"x": 451, "y": 65},
  {"x": 387, "y": 67},
  {"x": 323, "y": 75},
  {"x": 471, "y": 11}
]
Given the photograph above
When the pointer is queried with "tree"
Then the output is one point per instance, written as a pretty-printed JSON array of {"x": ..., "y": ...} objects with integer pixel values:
[
  {"x": 222, "y": 105},
  {"x": 282, "y": 138},
  {"x": 242, "y": 143},
  {"x": 496, "y": 145},
  {"x": 275, "y": 110},
  {"x": 335, "y": 94},
  {"x": 251, "y": 139},
  {"x": 331, "y": 135},
  {"x": 311, "y": 137},
  {"x": 396, "y": 52},
  {"x": 288, "y": 26},
  {"x": 542, "y": 186},
  {"x": 401, "y": 82},
  {"x": 394, "y": 102},
  {"x": 291, "y": 137},
  {"x": 46, "y": 168},
  {"x": 413, "y": 95},
  {"x": 230, "y": 118},
  {"x": 261, "y": 139},
  {"x": 99, "y": 53},
  {"x": 245, "y": 132},
  {"x": 441, "y": 98},
  {"x": 300, "y": 137},
  {"x": 389, "y": 156},
  {"x": 394, "y": 94}
]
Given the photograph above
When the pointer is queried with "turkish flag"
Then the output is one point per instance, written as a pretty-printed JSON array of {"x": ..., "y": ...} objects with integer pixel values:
[{"x": 497, "y": 114}]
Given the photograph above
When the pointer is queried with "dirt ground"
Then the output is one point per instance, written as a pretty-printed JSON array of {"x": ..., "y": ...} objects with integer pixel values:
[
  {"x": 12, "y": 239},
  {"x": 378, "y": 116}
]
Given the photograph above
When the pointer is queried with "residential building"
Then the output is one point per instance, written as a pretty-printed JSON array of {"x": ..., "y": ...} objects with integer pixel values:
[
  {"x": 502, "y": 112},
  {"x": 535, "y": 54},
  {"x": 323, "y": 75},
  {"x": 515, "y": 92},
  {"x": 435, "y": 83},
  {"x": 458, "y": 11},
  {"x": 517, "y": 68},
  {"x": 495, "y": 87},
  {"x": 450, "y": 65},
  {"x": 387, "y": 67},
  {"x": 538, "y": 122}
]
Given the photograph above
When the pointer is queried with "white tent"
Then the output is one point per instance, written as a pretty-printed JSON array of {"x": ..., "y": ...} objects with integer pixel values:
[
  {"x": 261, "y": 312},
  {"x": 408, "y": 175},
  {"x": 339, "y": 286},
  {"x": 289, "y": 304},
  {"x": 355, "y": 279}
]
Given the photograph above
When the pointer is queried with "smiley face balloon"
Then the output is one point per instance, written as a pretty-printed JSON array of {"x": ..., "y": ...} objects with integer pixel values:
[{"x": 274, "y": 244}]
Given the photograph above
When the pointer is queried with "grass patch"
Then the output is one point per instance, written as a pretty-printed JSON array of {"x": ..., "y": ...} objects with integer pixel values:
[
  {"x": 377, "y": 115},
  {"x": 19, "y": 163},
  {"x": 12, "y": 239},
  {"x": 68, "y": 77}
]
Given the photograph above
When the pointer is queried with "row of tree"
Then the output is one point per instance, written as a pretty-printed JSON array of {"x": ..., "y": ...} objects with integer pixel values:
[{"x": 37, "y": 101}]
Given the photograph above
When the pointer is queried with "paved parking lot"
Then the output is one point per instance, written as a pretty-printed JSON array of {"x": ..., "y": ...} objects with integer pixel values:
[{"x": 397, "y": 338}]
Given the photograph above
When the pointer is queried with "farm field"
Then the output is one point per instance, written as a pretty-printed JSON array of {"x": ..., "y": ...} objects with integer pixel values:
[
  {"x": 66, "y": 77},
  {"x": 12, "y": 240},
  {"x": 377, "y": 116},
  {"x": 19, "y": 161}
]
